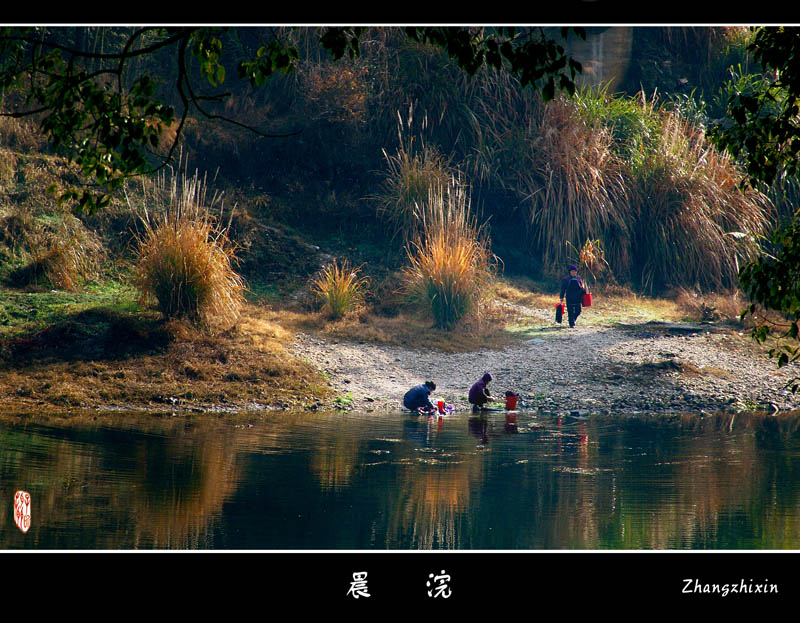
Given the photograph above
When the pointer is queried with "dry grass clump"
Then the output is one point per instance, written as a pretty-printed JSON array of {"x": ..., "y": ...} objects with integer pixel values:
[
  {"x": 340, "y": 288},
  {"x": 71, "y": 254},
  {"x": 450, "y": 266},
  {"x": 413, "y": 170},
  {"x": 694, "y": 221},
  {"x": 185, "y": 260},
  {"x": 60, "y": 250},
  {"x": 564, "y": 171}
]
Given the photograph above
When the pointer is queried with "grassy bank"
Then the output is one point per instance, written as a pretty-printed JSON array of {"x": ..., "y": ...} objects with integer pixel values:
[
  {"x": 399, "y": 215},
  {"x": 64, "y": 352}
]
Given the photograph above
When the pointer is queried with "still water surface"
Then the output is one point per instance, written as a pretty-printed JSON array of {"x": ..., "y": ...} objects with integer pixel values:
[{"x": 390, "y": 481}]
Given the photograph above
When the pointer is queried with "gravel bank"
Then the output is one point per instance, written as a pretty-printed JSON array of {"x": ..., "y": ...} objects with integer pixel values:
[{"x": 652, "y": 367}]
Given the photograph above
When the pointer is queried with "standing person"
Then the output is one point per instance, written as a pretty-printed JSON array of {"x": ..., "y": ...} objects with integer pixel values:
[
  {"x": 572, "y": 288},
  {"x": 418, "y": 397},
  {"x": 479, "y": 392}
]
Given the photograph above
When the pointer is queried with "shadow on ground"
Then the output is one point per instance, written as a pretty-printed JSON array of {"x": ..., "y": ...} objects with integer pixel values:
[{"x": 98, "y": 334}]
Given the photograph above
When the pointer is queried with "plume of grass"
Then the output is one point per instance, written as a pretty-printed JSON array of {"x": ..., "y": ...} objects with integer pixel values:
[
  {"x": 340, "y": 288},
  {"x": 413, "y": 170},
  {"x": 592, "y": 257},
  {"x": 694, "y": 221},
  {"x": 185, "y": 258},
  {"x": 450, "y": 265},
  {"x": 564, "y": 167}
]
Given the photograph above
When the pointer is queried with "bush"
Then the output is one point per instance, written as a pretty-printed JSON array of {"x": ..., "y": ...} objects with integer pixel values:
[
  {"x": 693, "y": 219},
  {"x": 562, "y": 166},
  {"x": 58, "y": 250},
  {"x": 450, "y": 264},
  {"x": 340, "y": 288},
  {"x": 185, "y": 261}
]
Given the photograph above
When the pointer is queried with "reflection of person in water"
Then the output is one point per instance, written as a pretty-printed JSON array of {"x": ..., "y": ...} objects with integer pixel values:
[
  {"x": 511, "y": 423},
  {"x": 478, "y": 427},
  {"x": 416, "y": 431}
]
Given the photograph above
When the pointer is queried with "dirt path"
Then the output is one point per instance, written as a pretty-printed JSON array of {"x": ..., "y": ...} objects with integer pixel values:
[{"x": 653, "y": 367}]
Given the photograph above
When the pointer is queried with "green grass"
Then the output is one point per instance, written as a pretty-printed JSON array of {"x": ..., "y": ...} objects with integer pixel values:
[
  {"x": 344, "y": 401},
  {"x": 22, "y": 311}
]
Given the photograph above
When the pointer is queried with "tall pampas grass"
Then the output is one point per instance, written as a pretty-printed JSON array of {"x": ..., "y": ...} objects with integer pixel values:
[
  {"x": 185, "y": 258},
  {"x": 340, "y": 288},
  {"x": 413, "y": 170},
  {"x": 60, "y": 251},
  {"x": 695, "y": 225},
  {"x": 449, "y": 262},
  {"x": 577, "y": 187},
  {"x": 563, "y": 169}
]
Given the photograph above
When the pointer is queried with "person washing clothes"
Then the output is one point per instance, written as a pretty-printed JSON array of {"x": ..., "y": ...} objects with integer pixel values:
[
  {"x": 418, "y": 397},
  {"x": 479, "y": 392},
  {"x": 572, "y": 288}
]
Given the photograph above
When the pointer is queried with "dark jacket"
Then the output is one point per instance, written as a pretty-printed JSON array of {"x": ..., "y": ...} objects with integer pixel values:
[
  {"x": 479, "y": 393},
  {"x": 417, "y": 397},
  {"x": 572, "y": 288}
]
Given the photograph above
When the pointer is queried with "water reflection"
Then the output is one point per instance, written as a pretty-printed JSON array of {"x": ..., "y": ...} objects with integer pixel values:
[
  {"x": 515, "y": 480},
  {"x": 435, "y": 490},
  {"x": 145, "y": 483}
]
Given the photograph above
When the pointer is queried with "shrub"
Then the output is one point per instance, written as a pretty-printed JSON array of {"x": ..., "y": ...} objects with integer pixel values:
[
  {"x": 562, "y": 166},
  {"x": 340, "y": 288},
  {"x": 413, "y": 170},
  {"x": 185, "y": 260},
  {"x": 59, "y": 250},
  {"x": 693, "y": 219},
  {"x": 450, "y": 264}
]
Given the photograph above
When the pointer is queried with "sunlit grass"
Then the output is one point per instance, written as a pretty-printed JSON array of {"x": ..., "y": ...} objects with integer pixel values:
[
  {"x": 185, "y": 260},
  {"x": 450, "y": 266},
  {"x": 340, "y": 288}
]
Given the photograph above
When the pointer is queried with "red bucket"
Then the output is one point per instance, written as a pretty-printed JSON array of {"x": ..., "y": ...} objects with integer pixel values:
[
  {"x": 587, "y": 299},
  {"x": 511, "y": 402}
]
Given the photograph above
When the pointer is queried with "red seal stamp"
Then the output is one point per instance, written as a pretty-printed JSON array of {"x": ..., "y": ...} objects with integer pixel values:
[{"x": 22, "y": 510}]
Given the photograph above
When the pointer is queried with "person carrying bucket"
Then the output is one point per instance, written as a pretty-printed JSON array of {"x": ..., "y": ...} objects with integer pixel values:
[
  {"x": 418, "y": 397},
  {"x": 479, "y": 392},
  {"x": 573, "y": 290}
]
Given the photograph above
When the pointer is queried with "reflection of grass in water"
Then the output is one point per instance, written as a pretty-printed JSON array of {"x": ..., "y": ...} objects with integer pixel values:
[
  {"x": 431, "y": 496},
  {"x": 718, "y": 472},
  {"x": 333, "y": 461},
  {"x": 154, "y": 506}
]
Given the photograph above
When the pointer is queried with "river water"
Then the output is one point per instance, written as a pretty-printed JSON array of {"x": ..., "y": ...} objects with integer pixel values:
[{"x": 389, "y": 481}]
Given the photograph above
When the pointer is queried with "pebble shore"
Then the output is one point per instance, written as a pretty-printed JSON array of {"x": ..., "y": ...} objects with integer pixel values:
[{"x": 651, "y": 368}]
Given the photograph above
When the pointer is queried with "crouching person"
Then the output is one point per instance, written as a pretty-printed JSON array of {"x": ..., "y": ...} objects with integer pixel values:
[
  {"x": 479, "y": 392},
  {"x": 418, "y": 398}
]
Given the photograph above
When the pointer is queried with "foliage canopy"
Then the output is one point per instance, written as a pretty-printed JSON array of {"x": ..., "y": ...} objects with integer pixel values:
[
  {"x": 104, "y": 112},
  {"x": 766, "y": 133}
]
